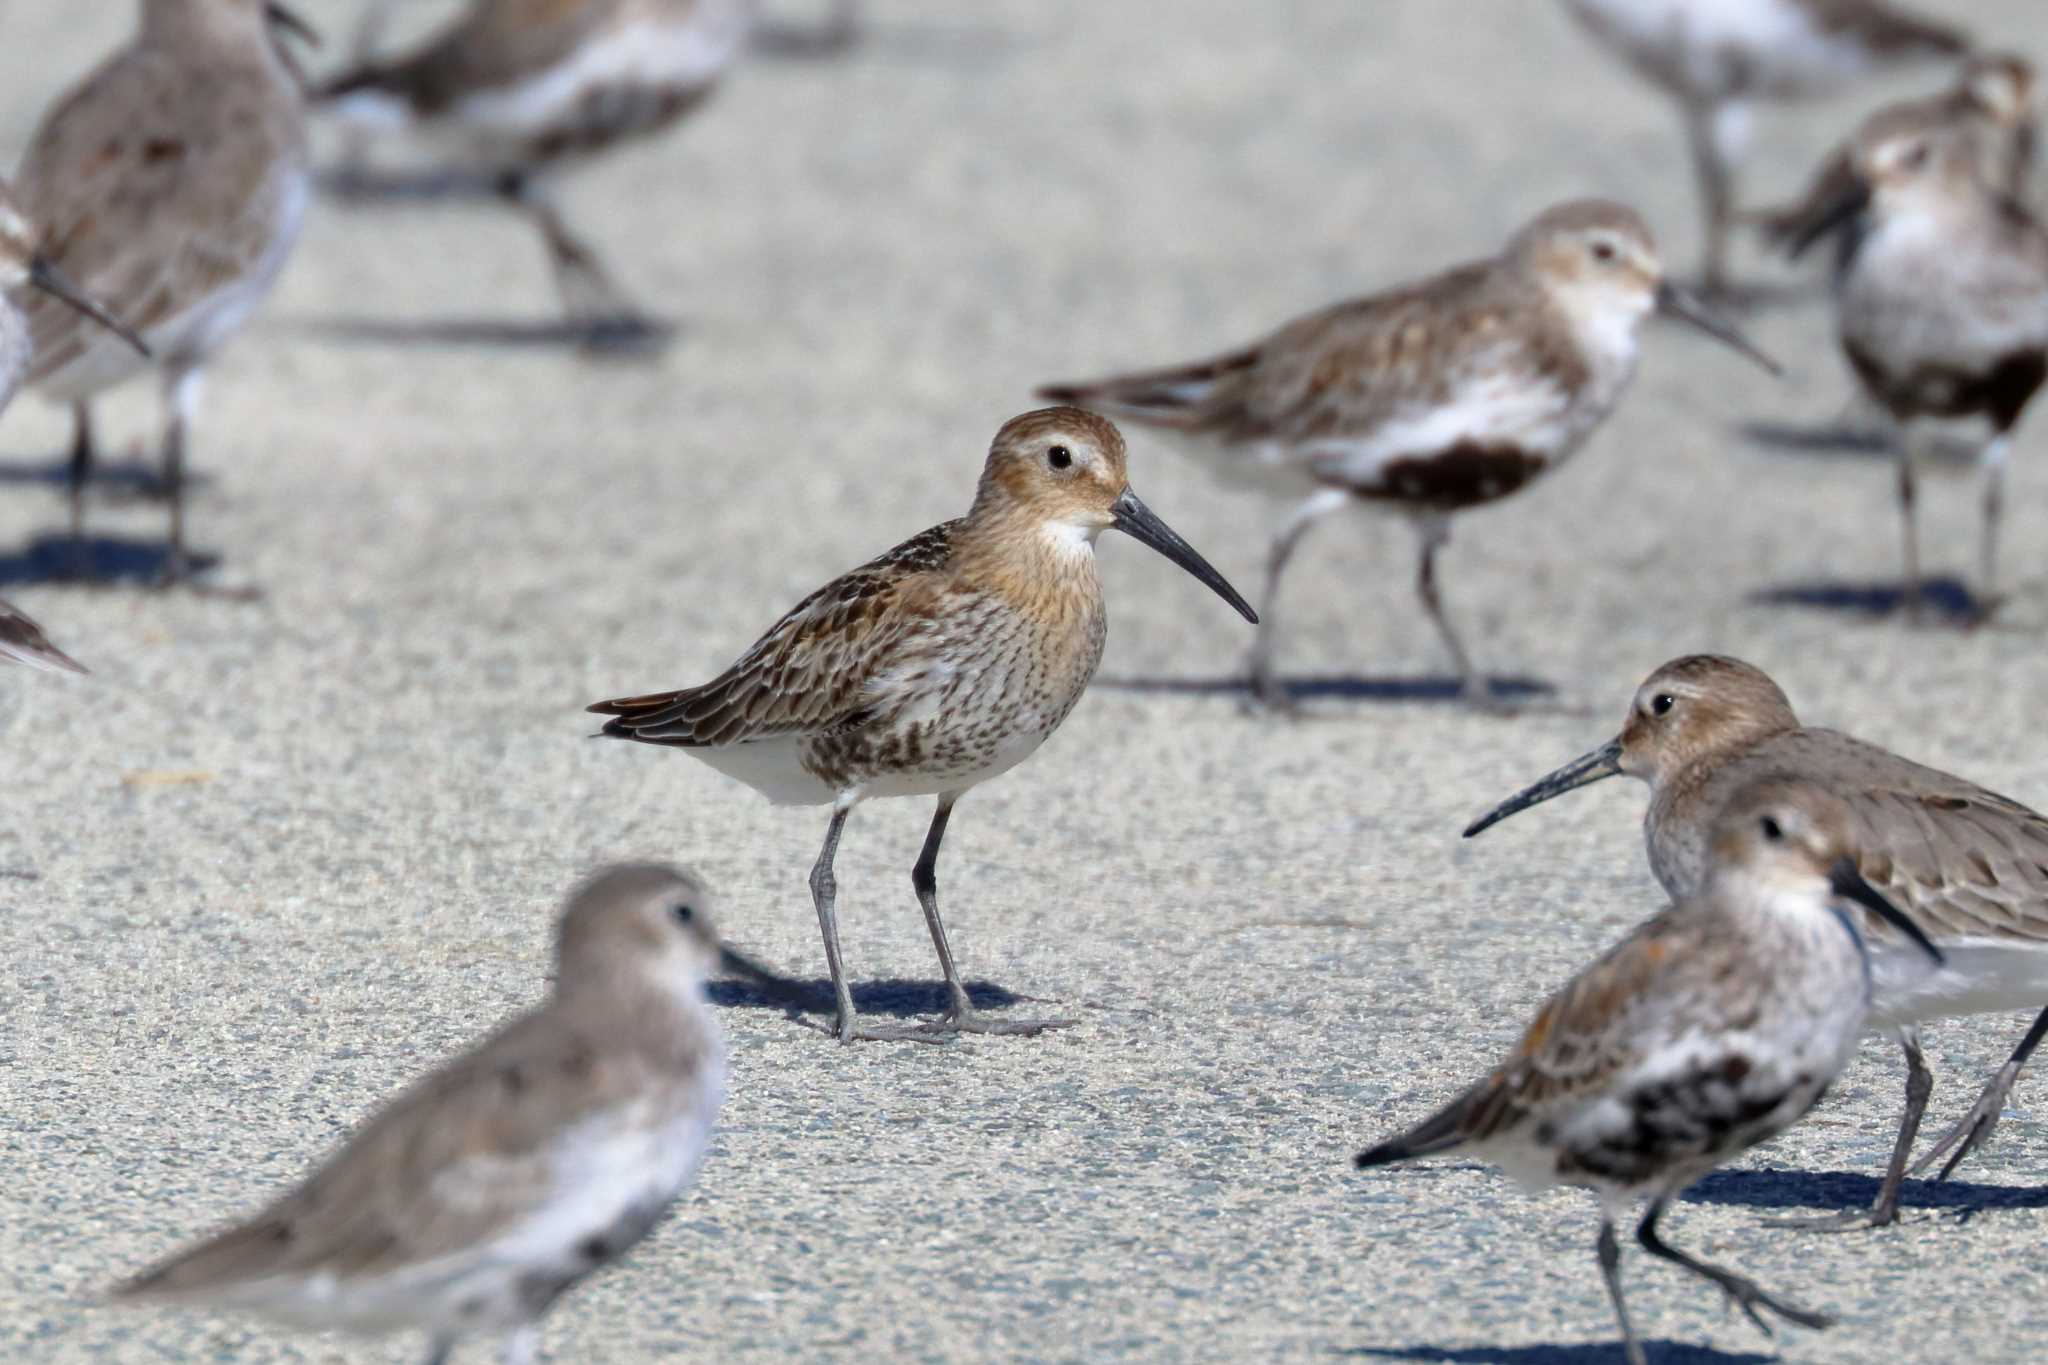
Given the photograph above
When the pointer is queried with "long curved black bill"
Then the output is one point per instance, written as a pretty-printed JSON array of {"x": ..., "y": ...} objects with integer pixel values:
[
  {"x": 1674, "y": 302},
  {"x": 1138, "y": 521},
  {"x": 1603, "y": 762},
  {"x": 292, "y": 23},
  {"x": 1842, "y": 210},
  {"x": 57, "y": 284},
  {"x": 1849, "y": 883}
]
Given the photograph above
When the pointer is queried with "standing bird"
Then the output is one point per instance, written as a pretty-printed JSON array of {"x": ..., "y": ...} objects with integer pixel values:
[
  {"x": 1942, "y": 309},
  {"x": 516, "y": 90},
  {"x": 931, "y": 669},
  {"x": 1992, "y": 99},
  {"x": 23, "y": 265},
  {"x": 1715, "y": 57},
  {"x": 1428, "y": 400},
  {"x": 1713, "y": 1027},
  {"x": 169, "y": 183},
  {"x": 1968, "y": 866},
  {"x": 481, "y": 1194}
]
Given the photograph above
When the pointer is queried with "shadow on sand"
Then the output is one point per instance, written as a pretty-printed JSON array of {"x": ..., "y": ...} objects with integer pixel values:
[
  {"x": 603, "y": 341},
  {"x": 1947, "y": 601},
  {"x": 896, "y": 997},
  {"x": 1849, "y": 1190},
  {"x": 1339, "y": 687},
  {"x": 100, "y": 562},
  {"x": 1586, "y": 1353}
]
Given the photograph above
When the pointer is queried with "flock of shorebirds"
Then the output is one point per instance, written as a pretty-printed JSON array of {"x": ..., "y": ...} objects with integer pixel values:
[{"x": 1821, "y": 887}]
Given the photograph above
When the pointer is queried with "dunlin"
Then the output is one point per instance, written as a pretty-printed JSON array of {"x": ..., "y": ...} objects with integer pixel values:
[
  {"x": 1427, "y": 400},
  {"x": 1715, "y": 57},
  {"x": 515, "y": 90},
  {"x": 475, "y": 1199},
  {"x": 170, "y": 184},
  {"x": 931, "y": 669},
  {"x": 1942, "y": 309},
  {"x": 1711, "y": 1028},
  {"x": 1992, "y": 98},
  {"x": 1968, "y": 866}
]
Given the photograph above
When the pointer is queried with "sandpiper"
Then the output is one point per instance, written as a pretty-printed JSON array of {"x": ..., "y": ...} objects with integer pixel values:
[
  {"x": 1992, "y": 98},
  {"x": 170, "y": 184},
  {"x": 930, "y": 669},
  {"x": 470, "y": 1203},
  {"x": 1711, "y": 1028},
  {"x": 514, "y": 90},
  {"x": 1968, "y": 866},
  {"x": 1443, "y": 395},
  {"x": 1714, "y": 57},
  {"x": 1942, "y": 309}
]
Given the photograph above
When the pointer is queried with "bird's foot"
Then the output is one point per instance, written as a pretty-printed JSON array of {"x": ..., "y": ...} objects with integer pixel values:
[
  {"x": 1883, "y": 1214},
  {"x": 1973, "y": 1130},
  {"x": 1750, "y": 1296}
]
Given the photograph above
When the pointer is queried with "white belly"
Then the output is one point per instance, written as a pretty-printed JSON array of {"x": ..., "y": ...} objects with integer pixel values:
[{"x": 1980, "y": 977}]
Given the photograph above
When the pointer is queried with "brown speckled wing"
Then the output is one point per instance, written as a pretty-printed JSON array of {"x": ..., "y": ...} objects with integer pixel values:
[
  {"x": 461, "y": 1155},
  {"x": 1963, "y": 862},
  {"x": 810, "y": 672},
  {"x": 23, "y": 641},
  {"x": 153, "y": 188}
]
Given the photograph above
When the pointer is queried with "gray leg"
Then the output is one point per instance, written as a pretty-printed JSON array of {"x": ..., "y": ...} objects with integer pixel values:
[
  {"x": 181, "y": 399},
  {"x": 590, "y": 299},
  {"x": 1745, "y": 1294},
  {"x": 1610, "y": 1271},
  {"x": 1885, "y": 1210},
  {"x": 1975, "y": 1128},
  {"x": 1994, "y": 461},
  {"x": 1908, "y": 495},
  {"x": 1436, "y": 533},
  {"x": 825, "y": 894},
  {"x": 1717, "y": 194},
  {"x": 960, "y": 1016},
  {"x": 81, "y": 474},
  {"x": 1267, "y": 690}
]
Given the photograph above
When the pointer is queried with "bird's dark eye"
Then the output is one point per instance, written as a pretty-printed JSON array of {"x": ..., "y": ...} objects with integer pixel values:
[
  {"x": 1661, "y": 704},
  {"x": 1772, "y": 830},
  {"x": 1059, "y": 457},
  {"x": 1915, "y": 157},
  {"x": 1604, "y": 251},
  {"x": 684, "y": 913}
]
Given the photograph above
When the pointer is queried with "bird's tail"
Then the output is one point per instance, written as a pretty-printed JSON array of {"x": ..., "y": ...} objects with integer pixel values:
[{"x": 1185, "y": 396}]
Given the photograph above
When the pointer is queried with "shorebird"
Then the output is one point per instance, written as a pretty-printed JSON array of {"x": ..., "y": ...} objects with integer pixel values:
[
  {"x": 475, "y": 1199},
  {"x": 1715, "y": 57},
  {"x": 1942, "y": 309},
  {"x": 931, "y": 669},
  {"x": 1968, "y": 866},
  {"x": 1711, "y": 1028},
  {"x": 170, "y": 184},
  {"x": 1992, "y": 98},
  {"x": 515, "y": 90},
  {"x": 1449, "y": 393}
]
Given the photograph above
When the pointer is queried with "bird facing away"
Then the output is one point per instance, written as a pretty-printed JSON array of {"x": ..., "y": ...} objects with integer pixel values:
[
  {"x": 1716, "y": 57},
  {"x": 170, "y": 184},
  {"x": 1992, "y": 99},
  {"x": 1968, "y": 866},
  {"x": 1443, "y": 395},
  {"x": 514, "y": 90},
  {"x": 928, "y": 670},
  {"x": 1711, "y": 1028},
  {"x": 1942, "y": 310},
  {"x": 471, "y": 1202}
]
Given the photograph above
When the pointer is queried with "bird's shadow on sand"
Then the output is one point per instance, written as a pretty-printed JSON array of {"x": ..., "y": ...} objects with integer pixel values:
[
  {"x": 1945, "y": 601},
  {"x": 132, "y": 480},
  {"x": 1340, "y": 687},
  {"x": 1836, "y": 441},
  {"x": 641, "y": 341},
  {"x": 99, "y": 562},
  {"x": 1850, "y": 1190},
  {"x": 1586, "y": 1353},
  {"x": 895, "y": 997}
]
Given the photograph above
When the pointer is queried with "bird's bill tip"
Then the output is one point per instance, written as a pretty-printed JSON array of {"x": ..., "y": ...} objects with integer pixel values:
[
  {"x": 1131, "y": 516},
  {"x": 293, "y": 23},
  {"x": 54, "y": 282},
  {"x": 1604, "y": 762},
  {"x": 1839, "y": 211},
  {"x": 1681, "y": 304}
]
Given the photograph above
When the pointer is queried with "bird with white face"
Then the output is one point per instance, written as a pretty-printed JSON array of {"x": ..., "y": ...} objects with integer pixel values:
[
  {"x": 930, "y": 669},
  {"x": 1427, "y": 400}
]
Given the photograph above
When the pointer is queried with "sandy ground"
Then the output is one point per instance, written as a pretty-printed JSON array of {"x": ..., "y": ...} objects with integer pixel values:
[{"x": 273, "y": 859}]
